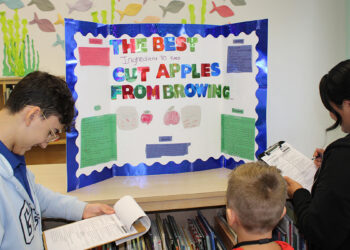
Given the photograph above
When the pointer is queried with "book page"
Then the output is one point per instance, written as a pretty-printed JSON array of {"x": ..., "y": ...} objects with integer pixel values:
[
  {"x": 293, "y": 164},
  {"x": 129, "y": 222},
  {"x": 86, "y": 233},
  {"x": 129, "y": 212}
]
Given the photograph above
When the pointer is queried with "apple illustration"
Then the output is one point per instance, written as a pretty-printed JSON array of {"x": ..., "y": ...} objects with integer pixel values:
[
  {"x": 171, "y": 117},
  {"x": 146, "y": 117},
  {"x": 128, "y": 118}
]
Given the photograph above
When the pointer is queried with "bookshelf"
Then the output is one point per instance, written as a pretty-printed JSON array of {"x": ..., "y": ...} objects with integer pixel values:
[
  {"x": 179, "y": 195},
  {"x": 153, "y": 192},
  {"x": 55, "y": 152}
]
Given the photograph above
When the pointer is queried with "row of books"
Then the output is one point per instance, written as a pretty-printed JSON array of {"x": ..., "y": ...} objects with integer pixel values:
[
  {"x": 198, "y": 234},
  {"x": 287, "y": 231}
]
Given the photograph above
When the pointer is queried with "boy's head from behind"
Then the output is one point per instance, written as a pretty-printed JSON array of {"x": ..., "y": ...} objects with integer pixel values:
[{"x": 256, "y": 195}]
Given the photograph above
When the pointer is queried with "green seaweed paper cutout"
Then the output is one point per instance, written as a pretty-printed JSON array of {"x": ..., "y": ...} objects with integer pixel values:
[
  {"x": 191, "y": 9},
  {"x": 104, "y": 14},
  {"x": 20, "y": 56}
]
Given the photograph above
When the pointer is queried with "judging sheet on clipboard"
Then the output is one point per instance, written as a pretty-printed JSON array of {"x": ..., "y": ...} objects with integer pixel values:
[{"x": 291, "y": 162}]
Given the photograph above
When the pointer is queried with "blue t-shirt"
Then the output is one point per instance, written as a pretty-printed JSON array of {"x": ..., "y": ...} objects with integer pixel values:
[{"x": 18, "y": 165}]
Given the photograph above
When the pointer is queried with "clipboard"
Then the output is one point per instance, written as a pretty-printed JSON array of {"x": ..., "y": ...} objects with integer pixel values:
[
  {"x": 291, "y": 162},
  {"x": 271, "y": 149}
]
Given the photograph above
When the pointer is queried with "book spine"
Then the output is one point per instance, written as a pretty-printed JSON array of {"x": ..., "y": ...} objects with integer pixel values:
[
  {"x": 204, "y": 232},
  {"x": 161, "y": 231},
  {"x": 202, "y": 244},
  {"x": 193, "y": 231},
  {"x": 168, "y": 235},
  {"x": 209, "y": 230}
]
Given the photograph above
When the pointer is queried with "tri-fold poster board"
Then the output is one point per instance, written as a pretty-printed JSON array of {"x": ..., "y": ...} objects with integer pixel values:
[{"x": 164, "y": 98}]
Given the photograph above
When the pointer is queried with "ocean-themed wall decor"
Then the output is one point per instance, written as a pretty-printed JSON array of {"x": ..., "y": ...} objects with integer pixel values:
[
  {"x": 46, "y": 17},
  {"x": 20, "y": 55},
  {"x": 44, "y": 25},
  {"x": 44, "y": 5},
  {"x": 13, "y": 4},
  {"x": 80, "y": 5}
]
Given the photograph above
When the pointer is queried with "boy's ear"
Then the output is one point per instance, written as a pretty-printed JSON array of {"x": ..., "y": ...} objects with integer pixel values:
[
  {"x": 30, "y": 113},
  {"x": 231, "y": 217},
  {"x": 284, "y": 212}
]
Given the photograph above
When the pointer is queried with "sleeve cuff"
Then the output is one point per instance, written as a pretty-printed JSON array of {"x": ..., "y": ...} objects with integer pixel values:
[
  {"x": 301, "y": 195},
  {"x": 77, "y": 211}
]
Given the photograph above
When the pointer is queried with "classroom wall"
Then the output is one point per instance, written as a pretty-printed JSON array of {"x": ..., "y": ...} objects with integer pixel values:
[{"x": 306, "y": 38}]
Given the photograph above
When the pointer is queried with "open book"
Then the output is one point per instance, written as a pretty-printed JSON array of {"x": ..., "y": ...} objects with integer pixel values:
[
  {"x": 128, "y": 222},
  {"x": 291, "y": 162}
]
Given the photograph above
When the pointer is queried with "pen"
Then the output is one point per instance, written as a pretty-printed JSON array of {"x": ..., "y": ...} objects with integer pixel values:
[{"x": 315, "y": 157}]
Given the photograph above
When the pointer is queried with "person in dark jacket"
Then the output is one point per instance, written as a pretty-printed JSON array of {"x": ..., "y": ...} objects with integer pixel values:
[{"x": 323, "y": 216}]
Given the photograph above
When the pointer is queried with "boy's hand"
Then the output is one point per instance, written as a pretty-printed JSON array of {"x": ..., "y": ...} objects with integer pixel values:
[
  {"x": 92, "y": 210},
  {"x": 292, "y": 186}
]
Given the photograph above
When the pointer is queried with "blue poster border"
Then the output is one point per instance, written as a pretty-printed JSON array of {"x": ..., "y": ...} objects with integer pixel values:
[{"x": 73, "y": 26}]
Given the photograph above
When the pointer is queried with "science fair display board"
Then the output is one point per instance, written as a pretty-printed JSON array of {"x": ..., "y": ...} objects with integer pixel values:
[{"x": 164, "y": 98}]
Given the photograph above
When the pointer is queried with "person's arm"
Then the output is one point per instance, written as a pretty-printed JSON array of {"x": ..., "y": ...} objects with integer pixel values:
[
  {"x": 324, "y": 219},
  {"x": 2, "y": 232},
  {"x": 56, "y": 205}
]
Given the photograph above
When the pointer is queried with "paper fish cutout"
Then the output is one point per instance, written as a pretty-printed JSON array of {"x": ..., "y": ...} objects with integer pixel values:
[
  {"x": 43, "y": 24},
  {"x": 12, "y": 4},
  {"x": 238, "y": 2},
  {"x": 222, "y": 10},
  {"x": 173, "y": 7},
  {"x": 44, "y": 5},
  {"x": 60, "y": 19},
  {"x": 130, "y": 10},
  {"x": 59, "y": 41},
  {"x": 80, "y": 5},
  {"x": 149, "y": 19}
]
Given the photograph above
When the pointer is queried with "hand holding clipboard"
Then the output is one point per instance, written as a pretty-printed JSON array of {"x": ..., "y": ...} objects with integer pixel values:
[{"x": 291, "y": 162}]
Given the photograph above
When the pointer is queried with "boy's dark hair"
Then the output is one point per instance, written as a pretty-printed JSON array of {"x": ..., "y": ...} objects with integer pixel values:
[
  {"x": 335, "y": 88},
  {"x": 257, "y": 193},
  {"x": 50, "y": 93}
]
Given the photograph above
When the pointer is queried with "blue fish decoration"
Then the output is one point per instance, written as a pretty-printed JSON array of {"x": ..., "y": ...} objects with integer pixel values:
[
  {"x": 13, "y": 4},
  {"x": 59, "y": 41}
]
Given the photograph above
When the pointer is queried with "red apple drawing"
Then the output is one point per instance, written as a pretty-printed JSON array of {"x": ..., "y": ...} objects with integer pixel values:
[
  {"x": 171, "y": 117},
  {"x": 146, "y": 117}
]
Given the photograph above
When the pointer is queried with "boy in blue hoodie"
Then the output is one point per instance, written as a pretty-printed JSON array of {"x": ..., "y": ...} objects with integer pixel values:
[{"x": 38, "y": 109}]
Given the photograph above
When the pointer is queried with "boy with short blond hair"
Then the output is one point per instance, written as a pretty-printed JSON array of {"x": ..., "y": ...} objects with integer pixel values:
[{"x": 256, "y": 196}]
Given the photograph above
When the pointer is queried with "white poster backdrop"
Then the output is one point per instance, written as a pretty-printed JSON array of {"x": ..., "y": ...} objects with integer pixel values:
[{"x": 197, "y": 121}]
